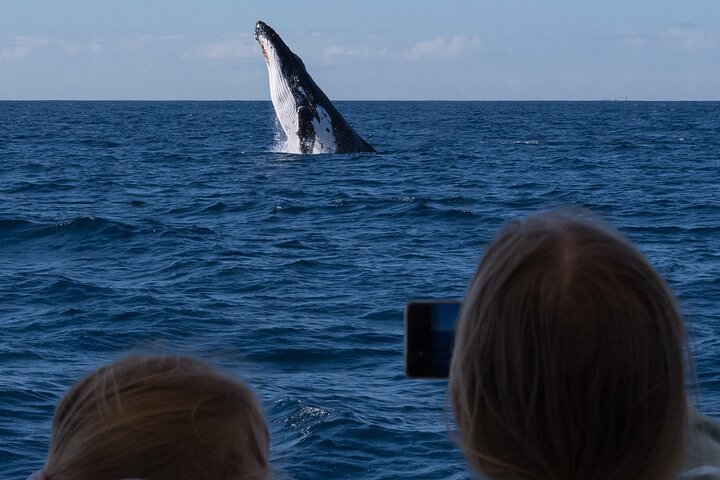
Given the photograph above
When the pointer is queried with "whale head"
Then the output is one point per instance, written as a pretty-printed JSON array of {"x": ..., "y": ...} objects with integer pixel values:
[{"x": 275, "y": 51}]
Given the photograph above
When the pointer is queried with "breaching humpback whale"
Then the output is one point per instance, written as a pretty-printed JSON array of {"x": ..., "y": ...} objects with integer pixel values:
[{"x": 305, "y": 113}]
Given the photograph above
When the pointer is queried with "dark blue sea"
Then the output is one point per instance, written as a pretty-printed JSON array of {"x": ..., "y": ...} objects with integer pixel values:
[{"x": 179, "y": 227}]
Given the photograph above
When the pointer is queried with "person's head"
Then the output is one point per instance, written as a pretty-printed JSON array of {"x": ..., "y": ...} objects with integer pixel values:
[
  {"x": 569, "y": 358},
  {"x": 158, "y": 418}
]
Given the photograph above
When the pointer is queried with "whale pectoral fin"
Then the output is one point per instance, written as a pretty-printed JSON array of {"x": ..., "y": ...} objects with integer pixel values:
[{"x": 306, "y": 131}]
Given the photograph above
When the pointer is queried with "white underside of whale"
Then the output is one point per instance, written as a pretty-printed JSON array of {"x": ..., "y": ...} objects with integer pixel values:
[{"x": 285, "y": 107}]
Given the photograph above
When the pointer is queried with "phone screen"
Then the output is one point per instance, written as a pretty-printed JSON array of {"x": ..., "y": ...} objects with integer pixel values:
[{"x": 429, "y": 337}]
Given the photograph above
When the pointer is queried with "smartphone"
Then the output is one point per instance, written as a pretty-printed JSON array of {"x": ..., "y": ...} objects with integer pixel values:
[{"x": 429, "y": 337}]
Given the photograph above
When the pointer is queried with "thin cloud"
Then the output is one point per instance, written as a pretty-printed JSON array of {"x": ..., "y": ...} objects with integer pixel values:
[
  {"x": 21, "y": 46},
  {"x": 76, "y": 47},
  {"x": 138, "y": 44},
  {"x": 333, "y": 52},
  {"x": 206, "y": 47},
  {"x": 689, "y": 38},
  {"x": 216, "y": 47},
  {"x": 633, "y": 39},
  {"x": 693, "y": 38},
  {"x": 439, "y": 47},
  {"x": 24, "y": 46},
  {"x": 226, "y": 47}
]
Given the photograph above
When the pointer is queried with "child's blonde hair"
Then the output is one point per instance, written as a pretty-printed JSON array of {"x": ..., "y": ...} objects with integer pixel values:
[
  {"x": 569, "y": 359},
  {"x": 158, "y": 418}
]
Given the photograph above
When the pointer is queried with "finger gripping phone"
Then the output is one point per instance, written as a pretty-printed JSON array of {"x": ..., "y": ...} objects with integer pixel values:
[{"x": 429, "y": 337}]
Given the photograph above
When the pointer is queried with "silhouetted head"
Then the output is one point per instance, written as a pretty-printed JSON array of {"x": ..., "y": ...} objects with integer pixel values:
[
  {"x": 569, "y": 358},
  {"x": 161, "y": 418}
]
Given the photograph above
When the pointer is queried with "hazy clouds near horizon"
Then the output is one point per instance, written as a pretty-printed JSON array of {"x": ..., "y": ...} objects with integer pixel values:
[{"x": 455, "y": 50}]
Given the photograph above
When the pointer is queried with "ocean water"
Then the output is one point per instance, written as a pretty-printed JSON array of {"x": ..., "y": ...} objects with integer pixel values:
[{"x": 178, "y": 227}]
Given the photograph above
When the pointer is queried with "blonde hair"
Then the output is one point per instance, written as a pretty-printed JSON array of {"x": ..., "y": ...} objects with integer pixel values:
[
  {"x": 158, "y": 418},
  {"x": 569, "y": 359}
]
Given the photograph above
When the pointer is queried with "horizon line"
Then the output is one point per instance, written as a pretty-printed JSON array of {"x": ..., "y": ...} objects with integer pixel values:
[{"x": 346, "y": 100}]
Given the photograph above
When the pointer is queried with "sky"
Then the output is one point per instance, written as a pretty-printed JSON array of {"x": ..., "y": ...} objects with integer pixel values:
[{"x": 368, "y": 50}]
